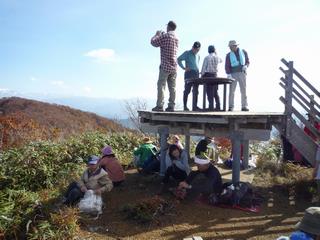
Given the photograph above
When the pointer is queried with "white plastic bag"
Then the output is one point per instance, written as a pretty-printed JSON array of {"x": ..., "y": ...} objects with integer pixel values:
[{"x": 91, "y": 203}]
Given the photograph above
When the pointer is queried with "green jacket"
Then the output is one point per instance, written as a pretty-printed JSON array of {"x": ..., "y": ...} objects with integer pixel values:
[{"x": 145, "y": 151}]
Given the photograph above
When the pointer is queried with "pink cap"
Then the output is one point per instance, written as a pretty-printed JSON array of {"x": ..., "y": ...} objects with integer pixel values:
[{"x": 107, "y": 150}]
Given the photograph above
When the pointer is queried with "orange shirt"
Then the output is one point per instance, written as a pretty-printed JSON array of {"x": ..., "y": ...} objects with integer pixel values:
[{"x": 113, "y": 168}]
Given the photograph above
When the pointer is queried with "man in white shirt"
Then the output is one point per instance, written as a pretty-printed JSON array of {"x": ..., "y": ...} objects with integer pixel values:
[{"x": 210, "y": 69}]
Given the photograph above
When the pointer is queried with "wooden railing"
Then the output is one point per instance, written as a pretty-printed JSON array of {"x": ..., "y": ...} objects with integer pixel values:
[{"x": 299, "y": 95}]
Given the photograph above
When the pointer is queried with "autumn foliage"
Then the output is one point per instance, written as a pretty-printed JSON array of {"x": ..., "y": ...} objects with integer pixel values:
[{"x": 23, "y": 120}]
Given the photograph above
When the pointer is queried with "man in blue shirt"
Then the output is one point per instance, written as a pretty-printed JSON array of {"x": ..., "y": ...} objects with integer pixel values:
[{"x": 191, "y": 67}]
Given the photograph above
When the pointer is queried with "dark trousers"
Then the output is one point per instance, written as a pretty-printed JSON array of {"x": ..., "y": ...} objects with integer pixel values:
[
  {"x": 212, "y": 92},
  {"x": 73, "y": 194},
  {"x": 151, "y": 165},
  {"x": 187, "y": 89},
  {"x": 206, "y": 187},
  {"x": 174, "y": 172},
  {"x": 117, "y": 184}
]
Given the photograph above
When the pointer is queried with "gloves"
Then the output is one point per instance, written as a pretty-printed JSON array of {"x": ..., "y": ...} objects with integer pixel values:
[{"x": 244, "y": 68}]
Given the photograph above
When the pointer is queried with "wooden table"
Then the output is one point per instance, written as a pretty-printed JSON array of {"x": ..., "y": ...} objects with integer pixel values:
[{"x": 212, "y": 81}]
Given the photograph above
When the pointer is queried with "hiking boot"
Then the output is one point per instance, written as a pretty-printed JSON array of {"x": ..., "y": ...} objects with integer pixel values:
[
  {"x": 170, "y": 109},
  {"x": 185, "y": 108},
  {"x": 245, "y": 109},
  {"x": 157, "y": 109}
]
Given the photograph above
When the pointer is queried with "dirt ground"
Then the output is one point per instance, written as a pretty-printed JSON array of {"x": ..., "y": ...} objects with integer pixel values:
[{"x": 282, "y": 208}]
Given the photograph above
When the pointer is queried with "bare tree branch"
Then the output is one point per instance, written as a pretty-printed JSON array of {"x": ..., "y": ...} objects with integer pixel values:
[{"x": 132, "y": 107}]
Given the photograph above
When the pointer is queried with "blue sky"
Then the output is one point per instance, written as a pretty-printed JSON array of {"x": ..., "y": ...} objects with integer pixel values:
[{"x": 102, "y": 48}]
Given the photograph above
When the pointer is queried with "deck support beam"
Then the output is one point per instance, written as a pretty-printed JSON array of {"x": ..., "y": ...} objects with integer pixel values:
[
  {"x": 236, "y": 138},
  {"x": 164, "y": 134},
  {"x": 245, "y": 161}
]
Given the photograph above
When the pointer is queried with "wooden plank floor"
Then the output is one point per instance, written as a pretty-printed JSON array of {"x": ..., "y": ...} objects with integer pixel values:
[
  {"x": 225, "y": 114},
  {"x": 210, "y": 117}
]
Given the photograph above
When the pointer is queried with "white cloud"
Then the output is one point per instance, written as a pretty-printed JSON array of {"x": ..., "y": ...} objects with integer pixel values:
[
  {"x": 33, "y": 79},
  {"x": 57, "y": 83},
  {"x": 101, "y": 55},
  {"x": 4, "y": 89},
  {"x": 87, "y": 89}
]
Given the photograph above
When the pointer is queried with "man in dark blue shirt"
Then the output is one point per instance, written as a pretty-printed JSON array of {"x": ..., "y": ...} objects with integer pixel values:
[{"x": 211, "y": 187}]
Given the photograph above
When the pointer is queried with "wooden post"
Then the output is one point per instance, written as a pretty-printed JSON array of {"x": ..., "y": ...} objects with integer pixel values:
[
  {"x": 204, "y": 96},
  {"x": 164, "y": 134},
  {"x": 289, "y": 88},
  {"x": 187, "y": 145},
  {"x": 245, "y": 161},
  {"x": 225, "y": 96},
  {"x": 312, "y": 109},
  {"x": 288, "y": 96},
  {"x": 236, "y": 138}
]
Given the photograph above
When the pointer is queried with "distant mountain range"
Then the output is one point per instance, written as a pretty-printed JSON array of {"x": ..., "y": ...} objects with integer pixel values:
[
  {"x": 107, "y": 107},
  {"x": 24, "y": 119}
]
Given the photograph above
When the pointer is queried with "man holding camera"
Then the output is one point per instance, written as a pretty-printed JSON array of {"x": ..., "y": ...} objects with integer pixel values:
[{"x": 168, "y": 43}]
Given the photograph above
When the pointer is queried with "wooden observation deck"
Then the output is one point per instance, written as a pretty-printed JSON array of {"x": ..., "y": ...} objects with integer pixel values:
[{"x": 240, "y": 127}]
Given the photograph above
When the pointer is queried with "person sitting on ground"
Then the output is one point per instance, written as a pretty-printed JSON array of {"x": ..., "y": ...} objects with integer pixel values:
[
  {"x": 176, "y": 141},
  {"x": 308, "y": 228},
  {"x": 177, "y": 165},
  {"x": 211, "y": 186},
  {"x": 112, "y": 166},
  {"x": 143, "y": 153},
  {"x": 152, "y": 164},
  {"x": 202, "y": 147},
  {"x": 94, "y": 178}
]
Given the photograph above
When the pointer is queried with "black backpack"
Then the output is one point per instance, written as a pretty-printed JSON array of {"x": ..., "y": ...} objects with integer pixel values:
[{"x": 240, "y": 194}]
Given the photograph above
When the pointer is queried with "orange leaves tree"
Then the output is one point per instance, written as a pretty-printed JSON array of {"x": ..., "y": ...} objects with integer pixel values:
[{"x": 17, "y": 129}]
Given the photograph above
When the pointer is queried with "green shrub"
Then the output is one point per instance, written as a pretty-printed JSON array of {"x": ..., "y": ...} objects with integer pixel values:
[
  {"x": 16, "y": 207},
  {"x": 60, "y": 225},
  {"x": 30, "y": 177}
]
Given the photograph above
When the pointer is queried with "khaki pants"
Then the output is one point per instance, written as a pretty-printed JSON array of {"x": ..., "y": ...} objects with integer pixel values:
[
  {"x": 170, "y": 79},
  {"x": 240, "y": 77}
]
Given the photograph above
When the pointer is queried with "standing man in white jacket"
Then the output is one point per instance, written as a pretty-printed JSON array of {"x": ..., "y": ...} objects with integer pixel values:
[{"x": 237, "y": 62}]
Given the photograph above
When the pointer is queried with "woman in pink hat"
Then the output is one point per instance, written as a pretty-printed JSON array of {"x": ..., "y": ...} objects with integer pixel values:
[{"x": 110, "y": 163}]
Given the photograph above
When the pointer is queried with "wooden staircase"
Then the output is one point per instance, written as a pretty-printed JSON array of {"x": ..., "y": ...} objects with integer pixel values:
[{"x": 300, "y": 96}]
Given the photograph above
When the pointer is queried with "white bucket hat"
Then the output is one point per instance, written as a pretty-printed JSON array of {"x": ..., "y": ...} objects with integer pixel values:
[{"x": 201, "y": 161}]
